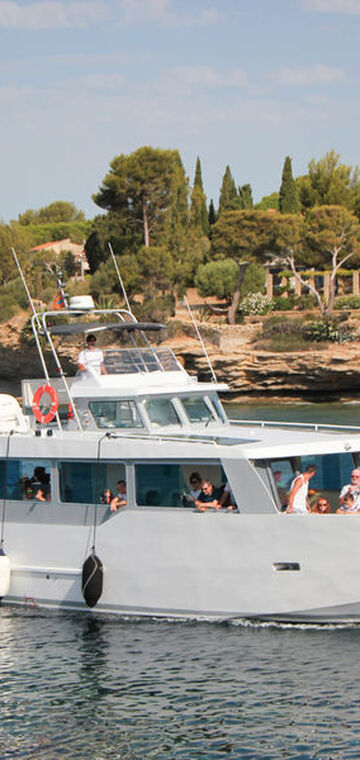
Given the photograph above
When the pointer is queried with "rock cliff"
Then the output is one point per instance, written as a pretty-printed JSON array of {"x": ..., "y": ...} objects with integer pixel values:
[{"x": 316, "y": 374}]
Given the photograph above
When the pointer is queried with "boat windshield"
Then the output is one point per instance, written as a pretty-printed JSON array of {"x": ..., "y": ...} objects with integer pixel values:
[
  {"x": 161, "y": 412},
  {"x": 198, "y": 409},
  {"x": 116, "y": 414}
]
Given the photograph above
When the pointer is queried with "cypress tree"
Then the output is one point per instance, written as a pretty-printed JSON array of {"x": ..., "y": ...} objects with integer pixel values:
[
  {"x": 212, "y": 213},
  {"x": 228, "y": 192},
  {"x": 198, "y": 209},
  {"x": 288, "y": 196},
  {"x": 245, "y": 197}
]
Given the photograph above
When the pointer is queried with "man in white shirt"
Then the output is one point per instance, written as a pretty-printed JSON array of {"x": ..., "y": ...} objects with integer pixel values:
[
  {"x": 354, "y": 489},
  {"x": 91, "y": 359}
]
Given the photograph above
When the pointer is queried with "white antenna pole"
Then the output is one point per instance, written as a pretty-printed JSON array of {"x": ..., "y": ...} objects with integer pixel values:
[
  {"x": 201, "y": 340},
  {"x": 120, "y": 280},
  {"x": 35, "y": 318},
  {"x": 24, "y": 283}
]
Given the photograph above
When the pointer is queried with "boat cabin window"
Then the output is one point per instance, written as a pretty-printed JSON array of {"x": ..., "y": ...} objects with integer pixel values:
[
  {"x": 333, "y": 472},
  {"x": 116, "y": 414},
  {"x": 169, "y": 485},
  {"x": 86, "y": 482},
  {"x": 25, "y": 479},
  {"x": 218, "y": 407},
  {"x": 161, "y": 412},
  {"x": 198, "y": 409}
]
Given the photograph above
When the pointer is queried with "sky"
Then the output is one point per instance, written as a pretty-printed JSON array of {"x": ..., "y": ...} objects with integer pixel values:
[{"x": 242, "y": 83}]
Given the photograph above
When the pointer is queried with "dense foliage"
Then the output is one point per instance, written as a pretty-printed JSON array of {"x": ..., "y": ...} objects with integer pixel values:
[{"x": 167, "y": 238}]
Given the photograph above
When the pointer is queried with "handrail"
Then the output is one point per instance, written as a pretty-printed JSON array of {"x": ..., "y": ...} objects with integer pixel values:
[
  {"x": 159, "y": 437},
  {"x": 307, "y": 425}
]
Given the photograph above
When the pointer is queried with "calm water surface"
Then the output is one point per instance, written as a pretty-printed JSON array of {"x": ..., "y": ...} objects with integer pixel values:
[{"x": 92, "y": 687}]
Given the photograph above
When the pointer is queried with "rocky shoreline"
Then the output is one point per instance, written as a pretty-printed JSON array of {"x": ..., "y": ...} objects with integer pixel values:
[{"x": 328, "y": 374}]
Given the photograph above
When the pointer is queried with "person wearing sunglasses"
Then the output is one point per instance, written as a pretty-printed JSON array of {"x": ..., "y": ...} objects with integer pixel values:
[
  {"x": 91, "y": 359},
  {"x": 196, "y": 485},
  {"x": 321, "y": 506}
]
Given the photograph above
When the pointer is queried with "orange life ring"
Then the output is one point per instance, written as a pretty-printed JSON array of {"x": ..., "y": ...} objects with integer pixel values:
[{"x": 44, "y": 418}]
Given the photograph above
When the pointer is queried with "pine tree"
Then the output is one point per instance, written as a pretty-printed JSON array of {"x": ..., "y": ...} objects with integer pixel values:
[
  {"x": 288, "y": 197},
  {"x": 212, "y": 214},
  {"x": 198, "y": 209},
  {"x": 245, "y": 197},
  {"x": 228, "y": 193}
]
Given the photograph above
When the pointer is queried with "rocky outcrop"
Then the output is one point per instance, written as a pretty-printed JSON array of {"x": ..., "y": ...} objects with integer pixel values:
[
  {"x": 328, "y": 373},
  {"x": 333, "y": 372}
]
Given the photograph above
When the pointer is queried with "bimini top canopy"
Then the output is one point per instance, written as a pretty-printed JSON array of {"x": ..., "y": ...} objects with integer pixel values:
[{"x": 89, "y": 327}]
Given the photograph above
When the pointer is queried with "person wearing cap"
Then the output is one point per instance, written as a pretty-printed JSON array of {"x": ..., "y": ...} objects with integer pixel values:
[{"x": 91, "y": 359}]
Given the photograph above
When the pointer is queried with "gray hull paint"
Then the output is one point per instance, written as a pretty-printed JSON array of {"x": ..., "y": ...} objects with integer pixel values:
[{"x": 211, "y": 565}]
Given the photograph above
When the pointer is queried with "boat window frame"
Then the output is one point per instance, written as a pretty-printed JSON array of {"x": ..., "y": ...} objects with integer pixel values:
[
  {"x": 161, "y": 397},
  {"x": 50, "y": 464},
  {"x": 215, "y": 417},
  {"x": 128, "y": 476},
  {"x": 295, "y": 461},
  {"x": 128, "y": 399},
  {"x": 193, "y": 465}
]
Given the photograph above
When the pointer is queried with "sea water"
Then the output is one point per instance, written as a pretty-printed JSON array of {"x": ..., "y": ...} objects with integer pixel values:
[{"x": 93, "y": 687}]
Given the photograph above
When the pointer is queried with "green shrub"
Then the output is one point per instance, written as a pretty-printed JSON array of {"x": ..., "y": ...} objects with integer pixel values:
[
  {"x": 306, "y": 301},
  {"x": 329, "y": 331},
  {"x": 283, "y": 303},
  {"x": 347, "y": 302}
]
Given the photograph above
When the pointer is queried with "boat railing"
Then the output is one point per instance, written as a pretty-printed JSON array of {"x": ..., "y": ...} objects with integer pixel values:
[{"x": 317, "y": 426}]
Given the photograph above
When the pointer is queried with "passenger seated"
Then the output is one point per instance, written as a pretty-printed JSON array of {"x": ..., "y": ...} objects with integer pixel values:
[
  {"x": 40, "y": 481},
  {"x": 209, "y": 497},
  {"x": 349, "y": 505},
  {"x": 106, "y": 496},
  {"x": 227, "y": 498},
  {"x": 281, "y": 489},
  {"x": 152, "y": 498},
  {"x": 196, "y": 482},
  {"x": 353, "y": 488},
  {"x": 120, "y": 500},
  {"x": 321, "y": 506}
]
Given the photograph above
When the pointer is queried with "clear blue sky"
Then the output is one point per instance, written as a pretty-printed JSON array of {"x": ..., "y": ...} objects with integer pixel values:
[{"x": 238, "y": 82}]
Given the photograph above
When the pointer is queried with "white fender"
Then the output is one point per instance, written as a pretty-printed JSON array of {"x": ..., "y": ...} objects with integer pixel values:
[{"x": 4, "y": 574}]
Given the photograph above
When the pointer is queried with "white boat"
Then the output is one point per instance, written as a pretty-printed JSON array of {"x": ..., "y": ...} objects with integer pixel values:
[{"x": 151, "y": 424}]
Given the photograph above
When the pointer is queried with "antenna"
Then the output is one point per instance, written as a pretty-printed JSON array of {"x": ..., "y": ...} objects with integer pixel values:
[
  {"x": 35, "y": 318},
  {"x": 214, "y": 380},
  {"x": 120, "y": 279}
]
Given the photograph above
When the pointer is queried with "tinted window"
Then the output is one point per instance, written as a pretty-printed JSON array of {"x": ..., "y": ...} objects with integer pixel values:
[
  {"x": 86, "y": 482},
  {"x": 168, "y": 485},
  {"x": 115, "y": 414},
  {"x": 25, "y": 479}
]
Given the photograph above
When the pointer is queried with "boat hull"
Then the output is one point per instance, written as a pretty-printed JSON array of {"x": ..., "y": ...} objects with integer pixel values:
[{"x": 203, "y": 565}]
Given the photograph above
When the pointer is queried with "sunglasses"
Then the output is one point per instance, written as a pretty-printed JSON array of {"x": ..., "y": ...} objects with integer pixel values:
[
  {"x": 194, "y": 482},
  {"x": 323, "y": 503}
]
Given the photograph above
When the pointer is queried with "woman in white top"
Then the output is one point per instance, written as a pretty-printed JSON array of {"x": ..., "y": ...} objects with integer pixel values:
[{"x": 298, "y": 497}]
